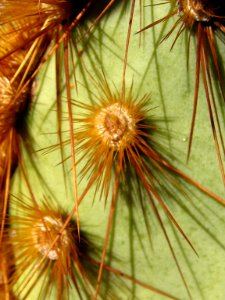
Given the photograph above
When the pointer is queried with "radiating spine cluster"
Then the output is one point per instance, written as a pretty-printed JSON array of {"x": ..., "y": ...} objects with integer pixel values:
[{"x": 115, "y": 137}]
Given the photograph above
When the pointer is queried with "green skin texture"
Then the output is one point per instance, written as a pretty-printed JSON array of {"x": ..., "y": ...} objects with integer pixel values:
[{"x": 164, "y": 75}]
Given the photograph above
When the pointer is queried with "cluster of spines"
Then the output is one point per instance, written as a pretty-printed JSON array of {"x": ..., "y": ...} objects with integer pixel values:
[
  {"x": 121, "y": 132},
  {"x": 26, "y": 34},
  {"x": 205, "y": 21}
]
